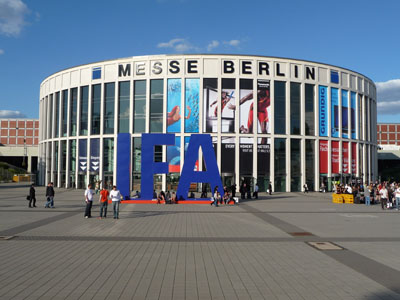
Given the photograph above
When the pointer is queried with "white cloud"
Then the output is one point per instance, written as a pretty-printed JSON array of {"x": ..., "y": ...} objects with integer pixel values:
[
  {"x": 1, "y": 51},
  {"x": 212, "y": 45},
  {"x": 233, "y": 43},
  {"x": 388, "y": 94},
  {"x": 12, "y": 17},
  {"x": 11, "y": 114},
  {"x": 179, "y": 45}
]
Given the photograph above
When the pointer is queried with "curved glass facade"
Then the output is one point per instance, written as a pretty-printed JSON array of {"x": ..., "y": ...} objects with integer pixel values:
[{"x": 272, "y": 120}]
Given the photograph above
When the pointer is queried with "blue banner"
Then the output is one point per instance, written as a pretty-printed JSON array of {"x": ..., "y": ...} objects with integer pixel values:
[
  {"x": 335, "y": 112},
  {"x": 82, "y": 157},
  {"x": 353, "y": 115},
  {"x": 345, "y": 114},
  {"x": 323, "y": 111},
  {"x": 174, "y": 156},
  {"x": 124, "y": 164},
  {"x": 192, "y": 90},
  {"x": 95, "y": 155},
  {"x": 174, "y": 105}
]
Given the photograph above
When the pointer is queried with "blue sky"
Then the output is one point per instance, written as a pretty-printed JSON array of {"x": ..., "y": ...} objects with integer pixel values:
[{"x": 41, "y": 37}]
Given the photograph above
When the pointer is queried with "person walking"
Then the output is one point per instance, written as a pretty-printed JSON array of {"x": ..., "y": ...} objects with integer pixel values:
[
  {"x": 384, "y": 196},
  {"x": 270, "y": 188},
  {"x": 32, "y": 196},
  {"x": 115, "y": 196},
  {"x": 305, "y": 188},
  {"x": 103, "y": 200},
  {"x": 50, "y": 196},
  {"x": 89, "y": 201}
]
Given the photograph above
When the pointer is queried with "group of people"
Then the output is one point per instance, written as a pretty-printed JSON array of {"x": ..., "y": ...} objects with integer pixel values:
[
  {"x": 166, "y": 198},
  {"x": 114, "y": 195},
  {"x": 385, "y": 193}
]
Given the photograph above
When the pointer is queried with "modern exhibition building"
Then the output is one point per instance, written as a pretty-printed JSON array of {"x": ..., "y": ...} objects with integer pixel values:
[{"x": 284, "y": 121}]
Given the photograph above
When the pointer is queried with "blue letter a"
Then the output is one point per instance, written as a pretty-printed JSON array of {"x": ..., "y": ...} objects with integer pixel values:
[{"x": 188, "y": 174}]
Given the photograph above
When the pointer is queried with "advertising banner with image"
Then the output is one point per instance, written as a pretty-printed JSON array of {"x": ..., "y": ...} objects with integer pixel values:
[
  {"x": 95, "y": 155},
  {"x": 323, "y": 157},
  {"x": 345, "y": 114},
  {"x": 335, "y": 157},
  {"x": 345, "y": 158},
  {"x": 334, "y": 112},
  {"x": 263, "y": 106},
  {"x": 228, "y": 105},
  {"x": 174, "y": 105},
  {"x": 192, "y": 90},
  {"x": 210, "y": 98},
  {"x": 82, "y": 156},
  {"x": 323, "y": 111},
  {"x": 353, "y": 158},
  {"x": 353, "y": 114},
  {"x": 246, "y": 106},
  {"x": 186, "y": 141}
]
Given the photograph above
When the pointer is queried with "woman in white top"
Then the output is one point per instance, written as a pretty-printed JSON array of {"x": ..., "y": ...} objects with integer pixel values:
[{"x": 115, "y": 196}]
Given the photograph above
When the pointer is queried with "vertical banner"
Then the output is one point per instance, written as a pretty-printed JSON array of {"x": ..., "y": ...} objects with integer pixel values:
[
  {"x": 334, "y": 112},
  {"x": 246, "y": 156},
  {"x": 263, "y": 154},
  {"x": 174, "y": 105},
  {"x": 353, "y": 158},
  {"x": 228, "y": 155},
  {"x": 210, "y": 99},
  {"x": 263, "y": 106},
  {"x": 345, "y": 114},
  {"x": 82, "y": 157},
  {"x": 192, "y": 90},
  {"x": 94, "y": 155},
  {"x": 246, "y": 106},
  {"x": 174, "y": 156},
  {"x": 353, "y": 115},
  {"x": 345, "y": 158},
  {"x": 323, "y": 110},
  {"x": 228, "y": 105},
  {"x": 323, "y": 157},
  {"x": 335, "y": 157}
]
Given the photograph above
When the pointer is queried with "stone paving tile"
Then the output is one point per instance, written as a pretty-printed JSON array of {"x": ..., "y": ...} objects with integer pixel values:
[
  {"x": 387, "y": 253},
  {"x": 158, "y": 270}
]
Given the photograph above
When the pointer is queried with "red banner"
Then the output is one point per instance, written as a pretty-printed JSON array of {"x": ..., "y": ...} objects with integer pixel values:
[
  {"x": 353, "y": 158},
  {"x": 345, "y": 157},
  {"x": 335, "y": 157},
  {"x": 323, "y": 157}
]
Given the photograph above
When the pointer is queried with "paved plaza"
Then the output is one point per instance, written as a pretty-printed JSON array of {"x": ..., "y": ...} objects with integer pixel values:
[{"x": 284, "y": 246}]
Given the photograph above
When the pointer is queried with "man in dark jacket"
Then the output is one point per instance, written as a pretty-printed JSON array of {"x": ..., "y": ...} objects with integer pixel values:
[
  {"x": 32, "y": 196},
  {"x": 50, "y": 195}
]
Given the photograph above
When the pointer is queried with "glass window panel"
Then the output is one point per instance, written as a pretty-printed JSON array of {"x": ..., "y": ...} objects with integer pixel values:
[
  {"x": 295, "y": 165},
  {"x": 72, "y": 163},
  {"x": 139, "y": 106},
  {"x": 57, "y": 117},
  {"x": 294, "y": 108},
  {"x": 310, "y": 164},
  {"x": 156, "y": 105},
  {"x": 84, "y": 110},
  {"x": 123, "y": 106},
  {"x": 280, "y": 107},
  {"x": 108, "y": 161},
  {"x": 96, "y": 102},
  {"x": 64, "y": 112},
  {"x": 309, "y": 110},
  {"x": 109, "y": 107},
  {"x": 280, "y": 165},
  {"x": 73, "y": 111},
  {"x": 51, "y": 116}
]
